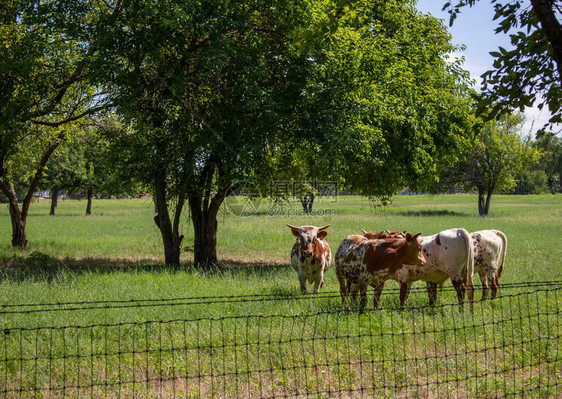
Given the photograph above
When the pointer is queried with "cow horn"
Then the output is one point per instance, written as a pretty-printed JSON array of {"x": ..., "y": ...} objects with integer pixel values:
[
  {"x": 364, "y": 231},
  {"x": 292, "y": 227},
  {"x": 322, "y": 228}
]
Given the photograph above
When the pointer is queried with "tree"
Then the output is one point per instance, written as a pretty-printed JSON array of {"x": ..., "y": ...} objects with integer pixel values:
[
  {"x": 204, "y": 89},
  {"x": 551, "y": 160},
  {"x": 386, "y": 107},
  {"x": 499, "y": 154},
  {"x": 532, "y": 71},
  {"x": 101, "y": 176},
  {"x": 65, "y": 170},
  {"x": 43, "y": 95},
  {"x": 533, "y": 181}
]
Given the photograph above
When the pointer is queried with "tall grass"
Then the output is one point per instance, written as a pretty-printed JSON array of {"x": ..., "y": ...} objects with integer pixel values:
[{"x": 117, "y": 251}]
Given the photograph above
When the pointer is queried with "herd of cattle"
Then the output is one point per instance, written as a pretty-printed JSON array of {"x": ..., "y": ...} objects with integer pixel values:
[{"x": 373, "y": 258}]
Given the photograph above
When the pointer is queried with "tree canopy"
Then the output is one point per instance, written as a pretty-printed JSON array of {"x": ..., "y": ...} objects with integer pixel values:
[
  {"x": 386, "y": 106},
  {"x": 531, "y": 72}
]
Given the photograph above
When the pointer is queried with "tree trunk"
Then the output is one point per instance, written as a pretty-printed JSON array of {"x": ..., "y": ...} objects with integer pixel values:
[
  {"x": 204, "y": 211},
  {"x": 205, "y": 230},
  {"x": 307, "y": 202},
  {"x": 484, "y": 197},
  {"x": 544, "y": 10},
  {"x": 89, "y": 194},
  {"x": 488, "y": 198},
  {"x": 17, "y": 217},
  {"x": 170, "y": 235},
  {"x": 54, "y": 200},
  {"x": 482, "y": 211},
  {"x": 19, "y": 238}
]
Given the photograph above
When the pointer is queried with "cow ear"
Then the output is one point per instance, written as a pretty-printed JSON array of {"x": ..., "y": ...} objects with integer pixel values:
[
  {"x": 294, "y": 229},
  {"x": 322, "y": 234}
]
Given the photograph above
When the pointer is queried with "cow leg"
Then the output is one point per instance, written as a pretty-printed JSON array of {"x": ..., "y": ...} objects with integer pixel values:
[
  {"x": 495, "y": 286},
  {"x": 343, "y": 289},
  {"x": 484, "y": 281},
  {"x": 459, "y": 287},
  {"x": 404, "y": 293},
  {"x": 432, "y": 292},
  {"x": 362, "y": 286},
  {"x": 363, "y": 303},
  {"x": 302, "y": 280},
  {"x": 354, "y": 289},
  {"x": 378, "y": 291},
  {"x": 319, "y": 281}
]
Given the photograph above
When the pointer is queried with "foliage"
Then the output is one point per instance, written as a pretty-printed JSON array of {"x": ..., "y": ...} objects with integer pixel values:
[
  {"x": 102, "y": 177},
  {"x": 531, "y": 72},
  {"x": 66, "y": 168},
  {"x": 531, "y": 182},
  {"x": 499, "y": 155},
  {"x": 43, "y": 90},
  {"x": 551, "y": 160},
  {"x": 393, "y": 107},
  {"x": 385, "y": 108}
]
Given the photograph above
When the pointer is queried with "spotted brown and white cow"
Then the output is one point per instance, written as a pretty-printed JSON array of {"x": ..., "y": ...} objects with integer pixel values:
[
  {"x": 490, "y": 247},
  {"x": 311, "y": 255},
  {"x": 448, "y": 254},
  {"x": 361, "y": 262}
]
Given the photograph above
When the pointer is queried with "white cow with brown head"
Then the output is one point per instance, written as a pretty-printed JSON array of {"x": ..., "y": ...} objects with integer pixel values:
[
  {"x": 311, "y": 255},
  {"x": 448, "y": 254}
]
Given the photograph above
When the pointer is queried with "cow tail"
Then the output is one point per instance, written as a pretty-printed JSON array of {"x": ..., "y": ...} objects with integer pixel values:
[
  {"x": 504, "y": 250},
  {"x": 468, "y": 271}
]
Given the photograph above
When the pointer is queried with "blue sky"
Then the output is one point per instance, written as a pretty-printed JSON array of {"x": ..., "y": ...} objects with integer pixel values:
[{"x": 474, "y": 27}]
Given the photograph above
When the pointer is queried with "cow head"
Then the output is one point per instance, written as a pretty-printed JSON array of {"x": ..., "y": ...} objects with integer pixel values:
[
  {"x": 307, "y": 238},
  {"x": 414, "y": 251}
]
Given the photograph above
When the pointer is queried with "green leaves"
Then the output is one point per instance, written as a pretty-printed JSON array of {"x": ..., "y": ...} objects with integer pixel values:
[
  {"x": 396, "y": 107},
  {"x": 530, "y": 74}
]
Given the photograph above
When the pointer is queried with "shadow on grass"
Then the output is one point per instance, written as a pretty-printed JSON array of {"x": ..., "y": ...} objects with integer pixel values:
[
  {"x": 39, "y": 266},
  {"x": 429, "y": 212}
]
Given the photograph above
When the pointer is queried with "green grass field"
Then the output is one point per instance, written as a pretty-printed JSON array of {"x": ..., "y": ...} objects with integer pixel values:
[
  {"x": 269, "y": 340},
  {"x": 122, "y": 232},
  {"x": 116, "y": 253}
]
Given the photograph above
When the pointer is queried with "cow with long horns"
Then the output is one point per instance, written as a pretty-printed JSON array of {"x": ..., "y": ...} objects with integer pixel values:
[{"x": 311, "y": 255}]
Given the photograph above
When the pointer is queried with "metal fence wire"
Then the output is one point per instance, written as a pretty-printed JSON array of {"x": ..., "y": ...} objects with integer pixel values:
[{"x": 508, "y": 347}]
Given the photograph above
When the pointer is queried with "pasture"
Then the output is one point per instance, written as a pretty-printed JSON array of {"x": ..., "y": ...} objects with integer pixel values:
[{"x": 89, "y": 309}]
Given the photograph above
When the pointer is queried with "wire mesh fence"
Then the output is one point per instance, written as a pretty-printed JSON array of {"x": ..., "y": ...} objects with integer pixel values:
[{"x": 508, "y": 347}]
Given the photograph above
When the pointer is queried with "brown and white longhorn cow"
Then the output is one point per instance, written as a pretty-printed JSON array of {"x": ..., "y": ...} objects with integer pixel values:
[
  {"x": 361, "y": 262},
  {"x": 490, "y": 247},
  {"x": 311, "y": 255}
]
